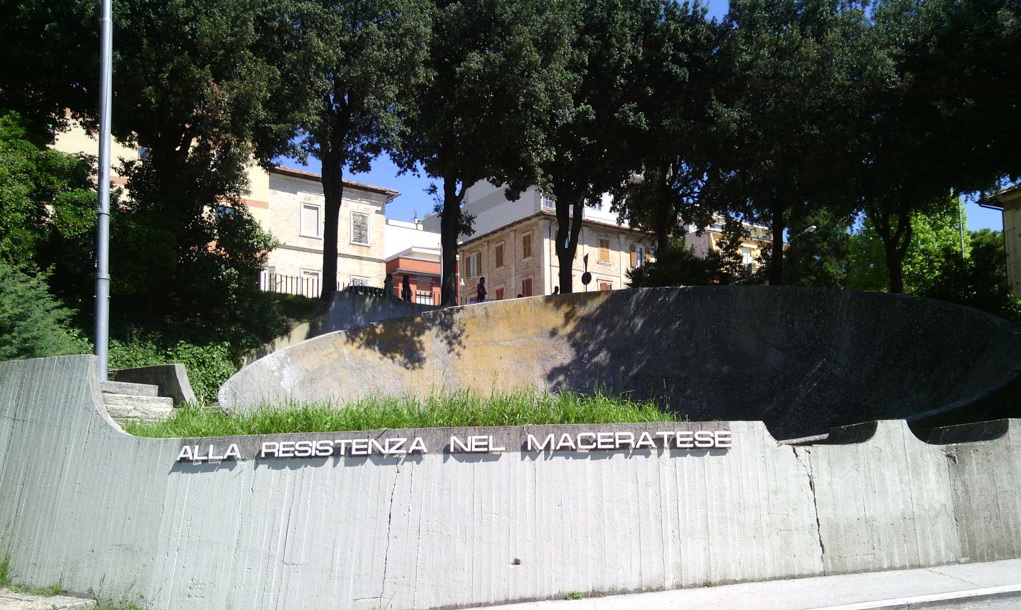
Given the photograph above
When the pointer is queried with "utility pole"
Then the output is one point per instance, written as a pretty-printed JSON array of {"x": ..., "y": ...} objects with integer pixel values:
[{"x": 103, "y": 227}]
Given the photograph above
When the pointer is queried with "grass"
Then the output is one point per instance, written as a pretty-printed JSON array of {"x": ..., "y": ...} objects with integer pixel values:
[{"x": 463, "y": 409}]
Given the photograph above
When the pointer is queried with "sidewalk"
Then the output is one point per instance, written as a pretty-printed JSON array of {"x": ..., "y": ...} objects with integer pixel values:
[{"x": 922, "y": 588}]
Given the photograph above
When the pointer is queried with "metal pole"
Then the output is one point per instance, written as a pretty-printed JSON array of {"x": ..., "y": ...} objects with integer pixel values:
[
  {"x": 960, "y": 224},
  {"x": 103, "y": 228}
]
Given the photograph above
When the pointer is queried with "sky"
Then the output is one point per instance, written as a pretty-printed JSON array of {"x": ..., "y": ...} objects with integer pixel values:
[{"x": 414, "y": 200}]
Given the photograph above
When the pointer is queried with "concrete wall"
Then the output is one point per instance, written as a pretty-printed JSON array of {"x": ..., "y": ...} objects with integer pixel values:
[
  {"x": 801, "y": 360},
  {"x": 94, "y": 509}
]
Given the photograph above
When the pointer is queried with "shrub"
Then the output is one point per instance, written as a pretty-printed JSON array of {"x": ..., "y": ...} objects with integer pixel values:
[
  {"x": 33, "y": 324},
  {"x": 208, "y": 365}
]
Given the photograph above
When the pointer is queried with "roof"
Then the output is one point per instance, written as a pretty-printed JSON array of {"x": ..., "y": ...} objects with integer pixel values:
[
  {"x": 546, "y": 213},
  {"x": 996, "y": 200},
  {"x": 298, "y": 173}
]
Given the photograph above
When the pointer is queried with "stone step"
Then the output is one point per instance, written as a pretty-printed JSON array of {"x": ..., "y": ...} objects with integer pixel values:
[
  {"x": 133, "y": 389},
  {"x": 141, "y": 408}
]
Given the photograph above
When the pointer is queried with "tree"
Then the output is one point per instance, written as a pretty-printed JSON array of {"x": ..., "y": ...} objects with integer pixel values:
[
  {"x": 817, "y": 249},
  {"x": 797, "y": 72},
  {"x": 33, "y": 323},
  {"x": 44, "y": 194},
  {"x": 358, "y": 66},
  {"x": 936, "y": 239},
  {"x": 673, "y": 96},
  {"x": 498, "y": 85},
  {"x": 947, "y": 117}
]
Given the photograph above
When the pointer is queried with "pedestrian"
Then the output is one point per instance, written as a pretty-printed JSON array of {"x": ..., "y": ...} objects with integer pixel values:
[
  {"x": 480, "y": 291},
  {"x": 406, "y": 289},
  {"x": 388, "y": 286},
  {"x": 556, "y": 290}
]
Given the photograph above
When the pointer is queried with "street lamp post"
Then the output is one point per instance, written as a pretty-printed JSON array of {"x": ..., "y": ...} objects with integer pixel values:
[{"x": 103, "y": 227}]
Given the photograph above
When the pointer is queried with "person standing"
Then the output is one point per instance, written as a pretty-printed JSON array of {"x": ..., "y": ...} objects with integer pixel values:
[
  {"x": 406, "y": 289},
  {"x": 480, "y": 290}
]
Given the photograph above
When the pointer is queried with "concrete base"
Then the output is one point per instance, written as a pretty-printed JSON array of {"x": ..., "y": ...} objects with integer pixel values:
[{"x": 86, "y": 505}]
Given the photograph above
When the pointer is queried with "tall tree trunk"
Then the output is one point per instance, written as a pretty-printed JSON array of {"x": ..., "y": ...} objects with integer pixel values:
[
  {"x": 449, "y": 230},
  {"x": 896, "y": 240},
  {"x": 570, "y": 209},
  {"x": 779, "y": 225},
  {"x": 333, "y": 191}
]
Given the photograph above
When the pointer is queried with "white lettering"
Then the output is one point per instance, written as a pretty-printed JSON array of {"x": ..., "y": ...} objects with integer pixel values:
[
  {"x": 582, "y": 436},
  {"x": 456, "y": 445},
  {"x": 232, "y": 452},
  {"x": 533, "y": 443},
  {"x": 286, "y": 449},
  {"x": 303, "y": 449},
  {"x": 605, "y": 440},
  {"x": 645, "y": 442},
  {"x": 185, "y": 454},
  {"x": 360, "y": 446},
  {"x": 724, "y": 439},
  {"x": 566, "y": 442},
  {"x": 703, "y": 439},
  {"x": 418, "y": 445},
  {"x": 379, "y": 448},
  {"x": 684, "y": 439},
  {"x": 618, "y": 439},
  {"x": 324, "y": 448},
  {"x": 665, "y": 437},
  {"x": 394, "y": 445},
  {"x": 269, "y": 447}
]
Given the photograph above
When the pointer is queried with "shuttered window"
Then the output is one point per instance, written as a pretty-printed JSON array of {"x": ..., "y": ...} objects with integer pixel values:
[{"x": 359, "y": 228}]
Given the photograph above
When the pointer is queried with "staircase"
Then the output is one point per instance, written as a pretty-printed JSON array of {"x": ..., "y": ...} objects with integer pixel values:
[{"x": 135, "y": 402}]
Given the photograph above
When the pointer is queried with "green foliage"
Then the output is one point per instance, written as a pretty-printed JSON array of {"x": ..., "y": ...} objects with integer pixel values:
[
  {"x": 33, "y": 323},
  {"x": 454, "y": 410},
  {"x": 209, "y": 364},
  {"x": 935, "y": 237},
  {"x": 6, "y": 573},
  {"x": 818, "y": 257},
  {"x": 574, "y": 595},
  {"x": 46, "y": 197},
  {"x": 677, "y": 265}
]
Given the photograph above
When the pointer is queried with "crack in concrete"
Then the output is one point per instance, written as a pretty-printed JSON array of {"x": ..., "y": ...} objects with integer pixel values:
[
  {"x": 815, "y": 501},
  {"x": 389, "y": 522},
  {"x": 937, "y": 571}
]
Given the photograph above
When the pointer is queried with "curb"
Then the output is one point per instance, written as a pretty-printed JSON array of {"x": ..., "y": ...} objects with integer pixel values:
[{"x": 935, "y": 600}]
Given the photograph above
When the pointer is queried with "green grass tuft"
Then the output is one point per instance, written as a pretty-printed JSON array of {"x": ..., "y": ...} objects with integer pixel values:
[
  {"x": 5, "y": 571},
  {"x": 463, "y": 409}
]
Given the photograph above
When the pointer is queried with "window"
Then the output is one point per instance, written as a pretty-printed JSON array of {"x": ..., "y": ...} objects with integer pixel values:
[
  {"x": 526, "y": 245},
  {"x": 357, "y": 280},
  {"x": 526, "y": 287},
  {"x": 311, "y": 221},
  {"x": 605, "y": 286},
  {"x": 746, "y": 255},
  {"x": 144, "y": 153},
  {"x": 499, "y": 255},
  {"x": 310, "y": 286},
  {"x": 359, "y": 228},
  {"x": 604, "y": 249},
  {"x": 548, "y": 201},
  {"x": 499, "y": 294},
  {"x": 637, "y": 256},
  {"x": 474, "y": 264}
]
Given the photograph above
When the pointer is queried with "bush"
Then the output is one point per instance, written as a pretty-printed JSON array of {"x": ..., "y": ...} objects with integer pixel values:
[
  {"x": 33, "y": 324},
  {"x": 208, "y": 365}
]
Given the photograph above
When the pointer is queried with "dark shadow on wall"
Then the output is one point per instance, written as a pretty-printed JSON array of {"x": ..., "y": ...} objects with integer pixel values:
[
  {"x": 802, "y": 360},
  {"x": 404, "y": 340}
]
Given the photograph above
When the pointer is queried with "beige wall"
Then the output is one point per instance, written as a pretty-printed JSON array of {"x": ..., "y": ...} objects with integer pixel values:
[
  {"x": 1012, "y": 236},
  {"x": 542, "y": 268},
  {"x": 297, "y": 251}
]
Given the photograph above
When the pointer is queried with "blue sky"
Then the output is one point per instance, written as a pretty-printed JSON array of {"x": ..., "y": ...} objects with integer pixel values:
[{"x": 413, "y": 198}]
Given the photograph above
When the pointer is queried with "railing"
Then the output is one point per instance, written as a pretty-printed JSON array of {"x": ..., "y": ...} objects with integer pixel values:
[
  {"x": 306, "y": 286},
  {"x": 310, "y": 287}
]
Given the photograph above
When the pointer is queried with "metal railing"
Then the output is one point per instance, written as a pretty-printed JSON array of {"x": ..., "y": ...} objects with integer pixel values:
[{"x": 311, "y": 287}]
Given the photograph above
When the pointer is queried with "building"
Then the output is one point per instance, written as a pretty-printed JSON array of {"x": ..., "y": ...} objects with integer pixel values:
[
  {"x": 1008, "y": 201},
  {"x": 289, "y": 204},
  {"x": 415, "y": 253},
  {"x": 513, "y": 246}
]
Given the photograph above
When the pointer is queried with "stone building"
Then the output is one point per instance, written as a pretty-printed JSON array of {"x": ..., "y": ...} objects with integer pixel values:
[{"x": 413, "y": 252}]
